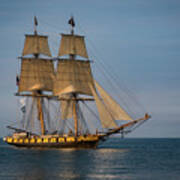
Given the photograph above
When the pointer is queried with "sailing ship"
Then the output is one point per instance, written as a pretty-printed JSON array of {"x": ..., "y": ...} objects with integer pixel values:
[{"x": 68, "y": 82}]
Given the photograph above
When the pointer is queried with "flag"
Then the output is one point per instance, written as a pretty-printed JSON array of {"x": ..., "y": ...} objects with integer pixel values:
[
  {"x": 35, "y": 21},
  {"x": 17, "y": 80},
  {"x": 23, "y": 109},
  {"x": 23, "y": 104},
  {"x": 71, "y": 22}
]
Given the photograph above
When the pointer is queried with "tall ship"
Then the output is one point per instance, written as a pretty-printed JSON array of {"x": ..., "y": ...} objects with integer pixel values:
[{"x": 54, "y": 95}]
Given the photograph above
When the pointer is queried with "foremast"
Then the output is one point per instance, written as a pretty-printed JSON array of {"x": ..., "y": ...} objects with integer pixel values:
[
  {"x": 72, "y": 57},
  {"x": 72, "y": 75},
  {"x": 74, "y": 78},
  {"x": 75, "y": 117}
]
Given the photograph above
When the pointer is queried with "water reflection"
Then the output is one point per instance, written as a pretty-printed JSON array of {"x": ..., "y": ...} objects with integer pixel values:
[
  {"x": 120, "y": 159},
  {"x": 102, "y": 163},
  {"x": 67, "y": 163}
]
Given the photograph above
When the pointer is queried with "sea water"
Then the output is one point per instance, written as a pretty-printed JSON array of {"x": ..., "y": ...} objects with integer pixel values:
[{"x": 156, "y": 159}]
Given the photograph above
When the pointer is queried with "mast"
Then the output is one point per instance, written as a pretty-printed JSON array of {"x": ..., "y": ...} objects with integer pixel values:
[
  {"x": 40, "y": 113},
  {"x": 39, "y": 99},
  {"x": 36, "y": 55},
  {"x": 73, "y": 76},
  {"x": 75, "y": 117},
  {"x": 36, "y": 73},
  {"x": 72, "y": 57},
  {"x": 72, "y": 23}
]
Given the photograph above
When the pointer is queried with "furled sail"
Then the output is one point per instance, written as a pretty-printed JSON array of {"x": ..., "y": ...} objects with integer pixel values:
[
  {"x": 73, "y": 76},
  {"x": 72, "y": 45},
  {"x": 117, "y": 112},
  {"x": 36, "y": 44},
  {"x": 66, "y": 107},
  {"x": 36, "y": 74},
  {"x": 106, "y": 118}
]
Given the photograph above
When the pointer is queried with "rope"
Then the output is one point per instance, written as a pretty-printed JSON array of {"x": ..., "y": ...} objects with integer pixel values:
[
  {"x": 107, "y": 71},
  {"x": 93, "y": 113},
  {"x": 83, "y": 121}
]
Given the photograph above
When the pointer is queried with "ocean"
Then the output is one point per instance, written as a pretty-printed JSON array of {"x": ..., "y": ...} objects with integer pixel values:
[{"x": 116, "y": 159}]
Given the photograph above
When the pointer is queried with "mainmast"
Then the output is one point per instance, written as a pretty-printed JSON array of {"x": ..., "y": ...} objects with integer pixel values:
[
  {"x": 39, "y": 99},
  {"x": 36, "y": 73},
  {"x": 72, "y": 57},
  {"x": 38, "y": 92},
  {"x": 40, "y": 114}
]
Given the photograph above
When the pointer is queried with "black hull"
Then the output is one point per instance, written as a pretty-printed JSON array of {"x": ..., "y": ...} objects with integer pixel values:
[{"x": 92, "y": 144}]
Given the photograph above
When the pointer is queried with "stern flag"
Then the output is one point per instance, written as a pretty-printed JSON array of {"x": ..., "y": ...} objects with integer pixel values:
[
  {"x": 35, "y": 21},
  {"x": 71, "y": 22},
  {"x": 17, "y": 80},
  {"x": 23, "y": 104}
]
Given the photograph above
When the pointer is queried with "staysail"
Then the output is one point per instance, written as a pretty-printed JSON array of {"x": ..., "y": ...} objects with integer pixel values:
[
  {"x": 106, "y": 118},
  {"x": 72, "y": 45},
  {"x": 36, "y": 44},
  {"x": 116, "y": 110},
  {"x": 36, "y": 74}
]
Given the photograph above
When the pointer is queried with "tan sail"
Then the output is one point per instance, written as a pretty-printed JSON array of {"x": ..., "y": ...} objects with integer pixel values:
[
  {"x": 106, "y": 118},
  {"x": 72, "y": 45},
  {"x": 116, "y": 110},
  {"x": 36, "y": 44},
  {"x": 73, "y": 76},
  {"x": 36, "y": 74},
  {"x": 66, "y": 107}
]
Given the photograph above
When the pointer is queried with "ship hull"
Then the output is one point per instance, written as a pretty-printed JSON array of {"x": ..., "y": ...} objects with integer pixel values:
[
  {"x": 54, "y": 142},
  {"x": 58, "y": 145}
]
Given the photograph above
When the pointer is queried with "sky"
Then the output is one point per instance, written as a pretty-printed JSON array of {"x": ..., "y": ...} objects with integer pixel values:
[{"x": 137, "y": 40}]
